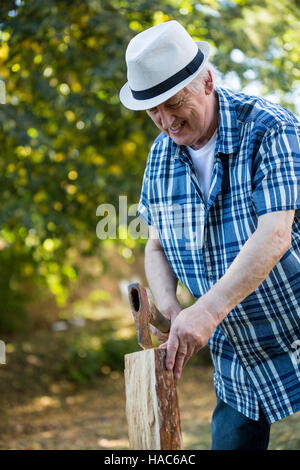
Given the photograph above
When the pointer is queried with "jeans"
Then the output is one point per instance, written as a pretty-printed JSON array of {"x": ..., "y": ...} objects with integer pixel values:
[{"x": 233, "y": 431}]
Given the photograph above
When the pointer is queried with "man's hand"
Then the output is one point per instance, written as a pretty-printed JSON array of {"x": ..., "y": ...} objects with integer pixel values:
[
  {"x": 190, "y": 332},
  {"x": 171, "y": 313}
]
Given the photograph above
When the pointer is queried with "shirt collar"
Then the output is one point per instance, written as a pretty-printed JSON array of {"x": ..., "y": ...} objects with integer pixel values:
[{"x": 228, "y": 131}]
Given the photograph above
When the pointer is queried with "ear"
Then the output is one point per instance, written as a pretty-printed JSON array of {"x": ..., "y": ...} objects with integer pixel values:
[{"x": 209, "y": 83}]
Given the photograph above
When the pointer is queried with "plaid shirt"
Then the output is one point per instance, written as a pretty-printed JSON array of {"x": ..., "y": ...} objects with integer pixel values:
[{"x": 256, "y": 168}]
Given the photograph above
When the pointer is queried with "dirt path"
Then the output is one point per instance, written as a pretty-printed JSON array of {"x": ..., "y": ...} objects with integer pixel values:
[
  {"x": 94, "y": 418},
  {"x": 69, "y": 417}
]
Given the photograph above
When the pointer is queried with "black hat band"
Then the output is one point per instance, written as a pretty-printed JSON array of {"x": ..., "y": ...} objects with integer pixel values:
[{"x": 166, "y": 85}]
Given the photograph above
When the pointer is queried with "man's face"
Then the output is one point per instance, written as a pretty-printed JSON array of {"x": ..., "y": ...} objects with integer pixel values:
[{"x": 188, "y": 118}]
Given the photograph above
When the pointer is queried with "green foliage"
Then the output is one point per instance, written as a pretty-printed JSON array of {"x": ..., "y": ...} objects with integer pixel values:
[
  {"x": 81, "y": 365},
  {"x": 13, "y": 316},
  {"x": 89, "y": 355},
  {"x": 67, "y": 145}
]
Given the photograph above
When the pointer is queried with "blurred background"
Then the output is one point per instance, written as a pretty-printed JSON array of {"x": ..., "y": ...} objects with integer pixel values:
[{"x": 68, "y": 146}]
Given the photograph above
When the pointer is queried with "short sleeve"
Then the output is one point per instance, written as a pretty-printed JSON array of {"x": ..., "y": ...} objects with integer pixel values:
[{"x": 276, "y": 170}]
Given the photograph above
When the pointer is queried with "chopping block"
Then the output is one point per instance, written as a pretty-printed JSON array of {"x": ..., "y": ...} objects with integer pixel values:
[{"x": 152, "y": 408}]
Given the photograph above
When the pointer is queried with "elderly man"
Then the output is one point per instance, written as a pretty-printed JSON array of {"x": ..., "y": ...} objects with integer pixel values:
[{"x": 220, "y": 194}]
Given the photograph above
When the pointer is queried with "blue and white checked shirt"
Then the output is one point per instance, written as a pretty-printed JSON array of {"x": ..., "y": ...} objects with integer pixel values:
[{"x": 256, "y": 170}]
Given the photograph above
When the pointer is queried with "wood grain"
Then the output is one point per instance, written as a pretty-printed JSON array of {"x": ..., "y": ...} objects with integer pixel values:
[{"x": 151, "y": 402}]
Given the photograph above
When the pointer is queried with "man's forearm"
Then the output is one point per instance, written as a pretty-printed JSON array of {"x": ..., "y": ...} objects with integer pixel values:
[
  {"x": 250, "y": 268},
  {"x": 161, "y": 278}
]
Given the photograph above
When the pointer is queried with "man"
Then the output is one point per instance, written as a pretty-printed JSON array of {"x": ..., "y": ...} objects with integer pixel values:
[{"x": 220, "y": 194}]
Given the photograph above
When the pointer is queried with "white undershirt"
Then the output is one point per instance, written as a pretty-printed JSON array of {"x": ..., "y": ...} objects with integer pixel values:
[{"x": 203, "y": 161}]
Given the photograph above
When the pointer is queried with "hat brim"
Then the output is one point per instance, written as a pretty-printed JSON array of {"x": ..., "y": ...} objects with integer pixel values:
[{"x": 130, "y": 102}]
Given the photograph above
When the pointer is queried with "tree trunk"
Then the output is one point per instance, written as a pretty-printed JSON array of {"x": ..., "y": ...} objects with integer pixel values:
[{"x": 151, "y": 402}]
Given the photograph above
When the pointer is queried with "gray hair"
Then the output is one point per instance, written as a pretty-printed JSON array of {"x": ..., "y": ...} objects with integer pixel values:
[{"x": 197, "y": 84}]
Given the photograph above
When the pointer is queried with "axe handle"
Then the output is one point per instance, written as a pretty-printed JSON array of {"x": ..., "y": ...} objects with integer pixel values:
[{"x": 158, "y": 320}]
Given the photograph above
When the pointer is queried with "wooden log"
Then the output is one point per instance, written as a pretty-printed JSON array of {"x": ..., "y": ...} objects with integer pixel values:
[{"x": 151, "y": 402}]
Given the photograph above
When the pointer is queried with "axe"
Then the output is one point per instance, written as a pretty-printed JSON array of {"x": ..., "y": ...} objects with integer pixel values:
[{"x": 145, "y": 313}]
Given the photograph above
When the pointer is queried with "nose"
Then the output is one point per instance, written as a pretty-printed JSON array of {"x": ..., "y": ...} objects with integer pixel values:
[{"x": 166, "y": 118}]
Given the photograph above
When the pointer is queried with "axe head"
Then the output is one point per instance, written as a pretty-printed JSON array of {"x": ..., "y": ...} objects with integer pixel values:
[{"x": 140, "y": 308}]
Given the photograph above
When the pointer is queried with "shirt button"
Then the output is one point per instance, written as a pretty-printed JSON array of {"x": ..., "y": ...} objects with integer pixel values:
[{"x": 248, "y": 369}]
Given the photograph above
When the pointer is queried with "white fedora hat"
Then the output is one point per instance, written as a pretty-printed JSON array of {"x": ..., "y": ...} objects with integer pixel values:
[{"x": 160, "y": 62}]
